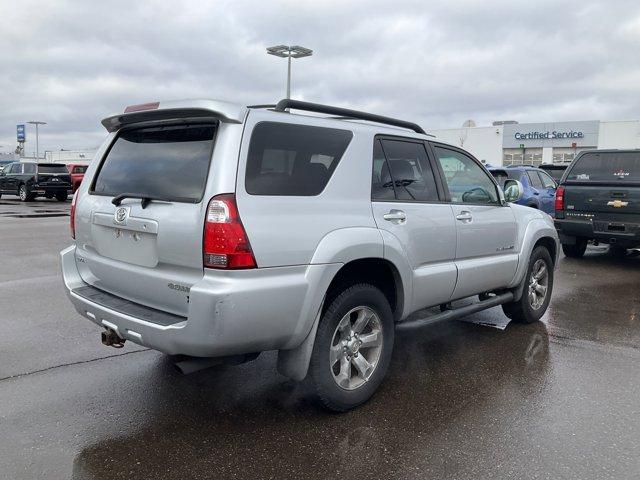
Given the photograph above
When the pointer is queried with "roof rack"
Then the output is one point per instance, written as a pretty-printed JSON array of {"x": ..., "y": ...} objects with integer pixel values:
[{"x": 346, "y": 114}]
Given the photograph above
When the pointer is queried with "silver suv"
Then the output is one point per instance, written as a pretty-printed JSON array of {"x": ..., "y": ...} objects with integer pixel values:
[{"x": 214, "y": 230}]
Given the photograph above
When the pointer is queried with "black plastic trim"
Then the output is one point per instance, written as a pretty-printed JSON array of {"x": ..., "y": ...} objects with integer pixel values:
[{"x": 285, "y": 104}]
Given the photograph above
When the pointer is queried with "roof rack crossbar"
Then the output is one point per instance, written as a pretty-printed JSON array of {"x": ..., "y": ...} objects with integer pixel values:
[{"x": 347, "y": 113}]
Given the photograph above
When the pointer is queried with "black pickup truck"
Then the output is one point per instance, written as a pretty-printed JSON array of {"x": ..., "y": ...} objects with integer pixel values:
[
  {"x": 599, "y": 199},
  {"x": 29, "y": 180}
]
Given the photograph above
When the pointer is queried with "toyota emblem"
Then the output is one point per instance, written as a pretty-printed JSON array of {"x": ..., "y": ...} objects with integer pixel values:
[{"x": 121, "y": 215}]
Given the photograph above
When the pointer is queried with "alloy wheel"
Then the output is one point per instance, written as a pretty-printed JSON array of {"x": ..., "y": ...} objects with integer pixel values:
[
  {"x": 356, "y": 347},
  {"x": 538, "y": 284}
]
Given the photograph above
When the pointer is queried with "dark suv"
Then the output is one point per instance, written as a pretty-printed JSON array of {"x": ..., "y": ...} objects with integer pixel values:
[
  {"x": 29, "y": 180},
  {"x": 599, "y": 199}
]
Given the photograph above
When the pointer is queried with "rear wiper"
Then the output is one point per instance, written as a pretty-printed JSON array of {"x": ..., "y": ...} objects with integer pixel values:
[{"x": 144, "y": 199}]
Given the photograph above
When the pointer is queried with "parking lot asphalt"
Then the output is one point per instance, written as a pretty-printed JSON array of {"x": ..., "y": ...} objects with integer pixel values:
[{"x": 558, "y": 399}]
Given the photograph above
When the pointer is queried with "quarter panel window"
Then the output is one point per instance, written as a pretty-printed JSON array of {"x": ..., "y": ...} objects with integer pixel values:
[
  {"x": 293, "y": 160},
  {"x": 466, "y": 180}
]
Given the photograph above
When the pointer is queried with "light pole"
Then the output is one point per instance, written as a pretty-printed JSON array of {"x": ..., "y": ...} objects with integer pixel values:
[
  {"x": 289, "y": 52},
  {"x": 37, "y": 140}
]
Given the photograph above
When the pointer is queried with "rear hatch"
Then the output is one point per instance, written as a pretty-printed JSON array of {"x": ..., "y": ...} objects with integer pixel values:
[
  {"x": 53, "y": 175},
  {"x": 604, "y": 187},
  {"x": 148, "y": 247}
]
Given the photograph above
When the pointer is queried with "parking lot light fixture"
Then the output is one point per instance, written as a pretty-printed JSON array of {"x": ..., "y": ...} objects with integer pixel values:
[
  {"x": 36, "y": 123},
  {"x": 289, "y": 52}
]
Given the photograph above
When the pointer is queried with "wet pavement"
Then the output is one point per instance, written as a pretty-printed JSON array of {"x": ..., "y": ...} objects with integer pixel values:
[{"x": 558, "y": 399}]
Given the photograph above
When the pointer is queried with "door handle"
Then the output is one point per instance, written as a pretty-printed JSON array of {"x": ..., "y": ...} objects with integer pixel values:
[
  {"x": 464, "y": 216},
  {"x": 395, "y": 215}
]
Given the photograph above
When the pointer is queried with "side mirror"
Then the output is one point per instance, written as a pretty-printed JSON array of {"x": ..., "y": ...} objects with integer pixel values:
[{"x": 513, "y": 190}]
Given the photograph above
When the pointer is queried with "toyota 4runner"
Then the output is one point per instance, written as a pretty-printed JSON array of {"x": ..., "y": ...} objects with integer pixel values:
[{"x": 208, "y": 229}]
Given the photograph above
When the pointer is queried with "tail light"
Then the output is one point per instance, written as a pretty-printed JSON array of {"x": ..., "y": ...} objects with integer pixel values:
[
  {"x": 559, "y": 205},
  {"x": 226, "y": 244},
  {"x": 72, "y": 215}
]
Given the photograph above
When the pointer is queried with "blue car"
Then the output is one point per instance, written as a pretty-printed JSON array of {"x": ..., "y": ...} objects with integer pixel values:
[{"x": 539, "y": 187}]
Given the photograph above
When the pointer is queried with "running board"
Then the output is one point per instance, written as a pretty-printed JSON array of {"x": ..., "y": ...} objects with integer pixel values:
[{"x": 456, "y": 313}]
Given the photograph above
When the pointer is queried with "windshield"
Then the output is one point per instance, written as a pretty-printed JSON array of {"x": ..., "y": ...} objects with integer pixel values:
[
  {"x": 60, "y": 168},
  {"x": 169, "y": 162},
  {"x": 606, "y": 167}
]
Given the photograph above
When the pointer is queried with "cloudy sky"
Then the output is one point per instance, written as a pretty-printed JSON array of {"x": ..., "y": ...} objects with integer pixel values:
[{"x": 71, "y": 63}]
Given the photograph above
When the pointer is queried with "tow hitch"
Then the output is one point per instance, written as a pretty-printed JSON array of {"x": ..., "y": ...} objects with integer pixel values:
[{"x": 111, "y": 339}]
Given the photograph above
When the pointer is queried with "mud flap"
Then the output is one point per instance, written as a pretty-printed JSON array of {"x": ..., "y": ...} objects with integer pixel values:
[{"x": 294, "y": 363}]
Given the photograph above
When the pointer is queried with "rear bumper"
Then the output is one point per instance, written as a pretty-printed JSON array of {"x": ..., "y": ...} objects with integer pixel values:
[
  {"x": 229, "y": 313},
  {"x": 569, "y": 230},
  {"x": 49, "y": 190}
]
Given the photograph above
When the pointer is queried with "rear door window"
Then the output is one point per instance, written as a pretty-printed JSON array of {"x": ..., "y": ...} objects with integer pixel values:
[
  {"x": 169, "y": 162},
  {"x": 401, "y": 171},
  {"x": 534, "y": 179},
  {"x": 29, "y": 168},
  {"x": 547, "y": 181},
  {"x": 293, "y": 160},
  {"x": 606, "y": 167}
]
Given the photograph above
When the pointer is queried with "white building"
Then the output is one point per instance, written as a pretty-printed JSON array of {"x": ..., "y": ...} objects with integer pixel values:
[
  {"x": 512, "y": 143},
  {"x": 69, "y": 156}
]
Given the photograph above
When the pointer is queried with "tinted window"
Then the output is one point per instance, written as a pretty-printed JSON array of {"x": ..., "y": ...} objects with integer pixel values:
[
  {"x": 547, "y": 181},
  {"x": 79, "y": 169},
  {"x": 52, "y": 168},
  {"x": 534, "y": 179},
  {"x": 168, "y": 162},
  {"x": 405, "y": 172},
  {"x": 606, "y": 167},
  {"x": 287, "y": 159},
  {"x": 467, "y": 181},
  {"x": 16, "y": 168},
  {"x": 29, "y": 168},
  {"x": 381, "y": 184}
]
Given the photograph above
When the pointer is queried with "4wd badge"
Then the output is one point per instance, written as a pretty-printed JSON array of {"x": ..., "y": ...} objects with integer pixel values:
[{"x": 121, "y": 215}]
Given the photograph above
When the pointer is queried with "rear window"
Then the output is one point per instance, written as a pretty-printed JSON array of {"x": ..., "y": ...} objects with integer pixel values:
[
  {"x": 60, "y": 168},
  {"x": 80, "y": 169},
  {"x": 606, "y": 167},
  {"x": 286, "y": 159},
  {"x": 169, "y": 162}
]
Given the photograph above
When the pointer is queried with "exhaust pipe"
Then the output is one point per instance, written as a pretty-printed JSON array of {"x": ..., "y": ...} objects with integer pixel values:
[{"x": 110, "y": 338}]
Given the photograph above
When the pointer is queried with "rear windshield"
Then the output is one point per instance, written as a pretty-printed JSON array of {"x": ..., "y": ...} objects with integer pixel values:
[
  {"x": 52, "y": 169},
  {"x": 286, "y": 159},
  {"x": 80, "y": 169},
  {"x": 169, "y": 162},
  {"x": 606, "y": 167}
]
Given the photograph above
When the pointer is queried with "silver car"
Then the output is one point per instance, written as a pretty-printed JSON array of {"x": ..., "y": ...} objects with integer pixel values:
[{"x": 217, "y": 231}]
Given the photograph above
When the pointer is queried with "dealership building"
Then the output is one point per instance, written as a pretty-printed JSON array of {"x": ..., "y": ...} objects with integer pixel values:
[{"x": 513, "y": 143}]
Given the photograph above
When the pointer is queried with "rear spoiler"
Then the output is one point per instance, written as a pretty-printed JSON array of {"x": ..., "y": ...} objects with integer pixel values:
[{"x": 223, "y": 111}]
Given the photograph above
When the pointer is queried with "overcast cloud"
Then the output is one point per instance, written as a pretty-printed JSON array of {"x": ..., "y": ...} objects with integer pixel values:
[{"x": 71, "y": 63}]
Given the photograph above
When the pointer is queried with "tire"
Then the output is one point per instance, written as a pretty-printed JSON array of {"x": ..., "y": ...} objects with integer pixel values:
[
  {"x": 577, "y": 250},
  {"x": 62, "y": 197},
  {"x": 530, "y": 309},
  {"x": 340, "y": 325},
  {"x": 24, "y": 194}
]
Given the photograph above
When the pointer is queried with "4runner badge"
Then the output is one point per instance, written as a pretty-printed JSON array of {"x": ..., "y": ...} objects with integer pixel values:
[{"x": 120, "y": 217}]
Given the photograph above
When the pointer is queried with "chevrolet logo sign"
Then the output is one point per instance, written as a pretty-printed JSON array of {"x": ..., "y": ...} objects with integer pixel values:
[{"x": 617, "y": 203}]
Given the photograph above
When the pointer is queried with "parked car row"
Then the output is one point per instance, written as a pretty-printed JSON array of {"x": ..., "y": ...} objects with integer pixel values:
[{"x": 29, "y": 180}]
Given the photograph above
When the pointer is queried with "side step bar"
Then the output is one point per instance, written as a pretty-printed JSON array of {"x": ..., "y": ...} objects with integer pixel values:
[{"x": 456, "y": 313}]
